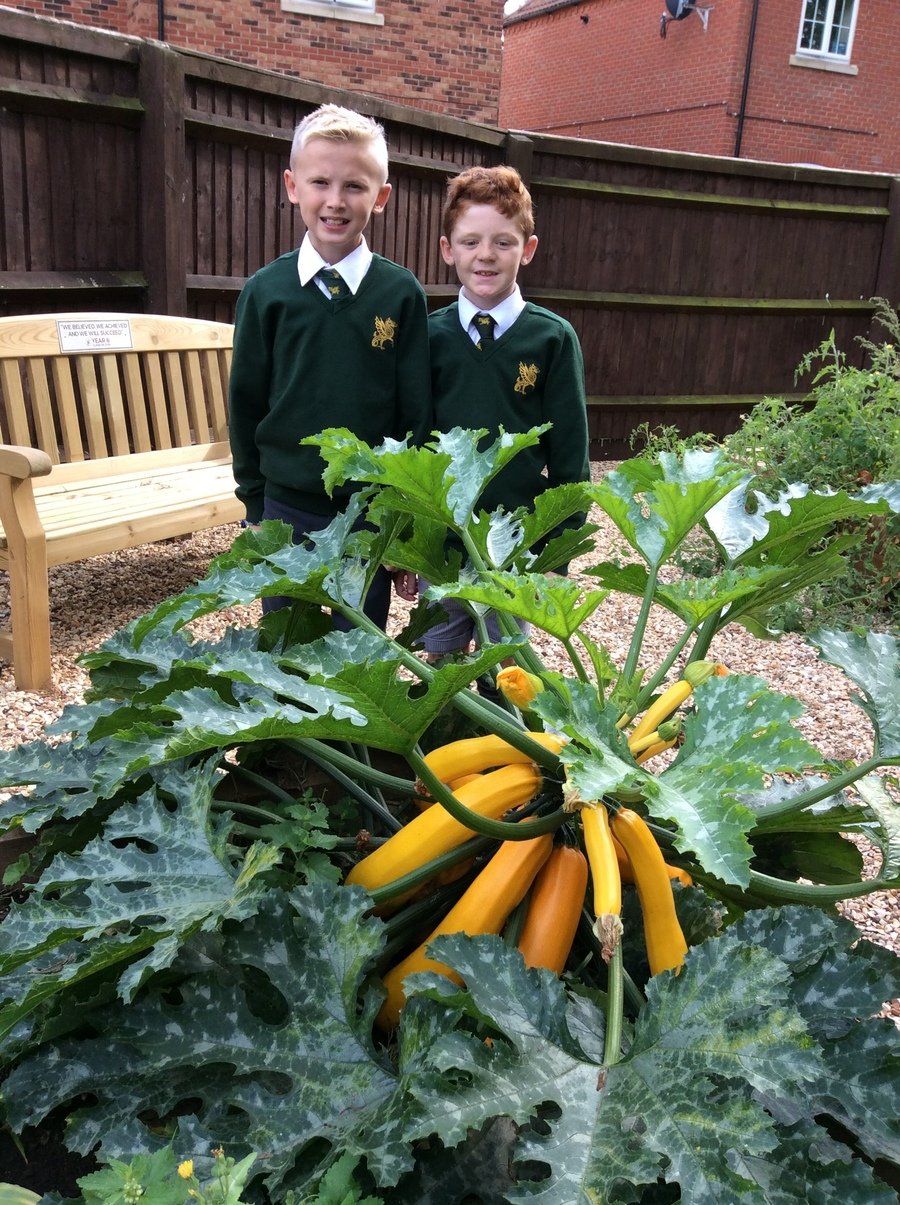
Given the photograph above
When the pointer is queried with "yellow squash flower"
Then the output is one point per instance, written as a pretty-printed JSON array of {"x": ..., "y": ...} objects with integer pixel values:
[{"x": 518, "y": 686}]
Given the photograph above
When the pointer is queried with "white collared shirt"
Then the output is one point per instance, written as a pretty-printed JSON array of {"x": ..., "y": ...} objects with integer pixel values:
[
  {"x": 352, "y": 267},
  {"x": 504, "y": 314}
]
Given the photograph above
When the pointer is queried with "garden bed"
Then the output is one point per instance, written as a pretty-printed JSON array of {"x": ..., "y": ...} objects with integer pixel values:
[
  {"x": 93, "y": 599},
  {"x": 134, "y": 583}
]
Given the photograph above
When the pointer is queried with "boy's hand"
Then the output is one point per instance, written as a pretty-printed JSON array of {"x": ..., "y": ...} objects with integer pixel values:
[{"x": 406, "y": 585}]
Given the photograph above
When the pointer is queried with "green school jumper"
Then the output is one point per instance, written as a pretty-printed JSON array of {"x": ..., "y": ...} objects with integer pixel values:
[
  {"x": 303, "y": 362},
  {"x": 532, "y": 374}
]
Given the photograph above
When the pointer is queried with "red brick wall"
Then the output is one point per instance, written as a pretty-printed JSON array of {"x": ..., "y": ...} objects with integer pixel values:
[
  {"x": 612, "y": 78},
  {"x": 438, "y": 55}
]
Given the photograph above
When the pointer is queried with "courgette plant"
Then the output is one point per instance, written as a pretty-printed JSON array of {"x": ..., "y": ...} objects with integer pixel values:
[{"x": 185, "y": 965}]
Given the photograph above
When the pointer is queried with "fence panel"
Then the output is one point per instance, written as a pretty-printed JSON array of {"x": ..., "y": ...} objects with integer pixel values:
[{"x": 137, "y": 177}]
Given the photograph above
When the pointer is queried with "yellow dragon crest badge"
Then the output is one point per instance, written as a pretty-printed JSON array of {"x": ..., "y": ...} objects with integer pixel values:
[
  {"x": 528, "y": 375},
  {"x": 385, "y": 329}
]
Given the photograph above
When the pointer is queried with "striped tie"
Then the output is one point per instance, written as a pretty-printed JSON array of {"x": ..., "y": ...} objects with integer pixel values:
[
  {"x": 484, "y": 324},
  {"x": 334, "y": 282}
]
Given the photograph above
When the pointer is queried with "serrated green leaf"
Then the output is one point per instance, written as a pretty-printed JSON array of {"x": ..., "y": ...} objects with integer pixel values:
[
  {"x": 781, "y": 530},
  {"x": 154, "y": 877},
  {"x": 444, "y": 486},
  {"x": 557, "y": 605},
  {"x": 655, "y": 507},
  {"x": 872, "y": 661},
  {"x": 724, "y": 1020},
  {"x": 307, "y": 1073},
  {"x": 884, "y": 807}
]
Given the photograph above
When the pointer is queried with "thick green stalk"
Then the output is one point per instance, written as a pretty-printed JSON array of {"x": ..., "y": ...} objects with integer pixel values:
[
  {"x": 499, "y": 830},
  {"x": 662, "y": 669},
  {"x": 352, "y": 765},
  {"x": 356, "y": 791},
  {"x": 615, "y": 996},
  {"x": 785, "y": 807},
  {"x": 580, "y": 672},
  {"x": 245, "y": 809},
  {"x": 632, "y": 992},
  {"x": 637, "y": 636},
  {"x": 708, "y": 629},
  {"x": 428, "y": 870},
  {"x": 785, "y": 891},
  {"x": 239, "y": 771}
]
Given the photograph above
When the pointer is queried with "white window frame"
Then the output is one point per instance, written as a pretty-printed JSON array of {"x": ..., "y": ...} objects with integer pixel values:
[
  {"x": 362, "y": 11},
  {"x": 820, "y": 54}
]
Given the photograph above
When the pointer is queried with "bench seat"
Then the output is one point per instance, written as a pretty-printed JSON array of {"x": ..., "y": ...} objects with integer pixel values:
[{"x": 104, "y": 449}]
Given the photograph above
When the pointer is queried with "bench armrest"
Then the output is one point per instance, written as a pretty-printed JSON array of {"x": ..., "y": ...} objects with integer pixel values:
[{"x": 24, "y": 462}]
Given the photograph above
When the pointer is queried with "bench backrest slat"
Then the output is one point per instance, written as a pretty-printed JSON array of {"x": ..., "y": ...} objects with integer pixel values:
[
  {"x": 137, "y": 406},
  {"x": 44, "y": 429},
  {"x": 66, "y": 407},
  {"x": 14, "y": 427},
  {"x": 217, "y": 366},
  {"x": 88, "y": 386},
  {"x": 177, "y": 394},
  {"x": 111, "y": 389},
  {"x": 91, "y": 407}
]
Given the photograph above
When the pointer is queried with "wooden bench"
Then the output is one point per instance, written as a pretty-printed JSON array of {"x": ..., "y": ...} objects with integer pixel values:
[{"x": 113, "y": 433}]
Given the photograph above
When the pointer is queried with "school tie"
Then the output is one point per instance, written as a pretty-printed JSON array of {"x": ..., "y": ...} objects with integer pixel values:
[
  {"x": 484, "y": 325},
  {"x": 334, "y": 282}
]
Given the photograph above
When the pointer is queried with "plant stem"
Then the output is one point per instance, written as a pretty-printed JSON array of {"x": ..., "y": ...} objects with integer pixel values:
[
  {"x": 797, "y": 803},
  {"x": 708, "y": 630},
  {"x": 651, "y": 684},
  {"x": 499, "y": 830},
  {"x": 473, "y": 708},
  {"x": 612, "y": 1045},
  {"x": 632, "y": 992},
  {"x": 258, "y": 780},
  {"x": 577, "y": 663},
  {"x": 322, "y": 751},
  {"x": 356, "y": 791},
  {"x": 783, "y": 891},
  {"x": 428, "y": 870},
  {"x": 246, "y": 809},
  {"x": 637, "y": 636},
  {"x": 488, "y": 715}
]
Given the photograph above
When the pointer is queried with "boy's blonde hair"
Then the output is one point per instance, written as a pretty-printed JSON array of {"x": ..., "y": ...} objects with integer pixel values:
[
  {"x": 342, "y": 125},
  {"x": 501, "y": 187}
]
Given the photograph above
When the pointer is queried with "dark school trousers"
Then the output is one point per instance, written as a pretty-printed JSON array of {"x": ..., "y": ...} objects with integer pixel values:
[{"x": 378, "y": 599}]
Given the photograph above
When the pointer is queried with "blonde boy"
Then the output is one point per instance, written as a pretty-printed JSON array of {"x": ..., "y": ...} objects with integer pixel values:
[{"x": 313, "y": 349}]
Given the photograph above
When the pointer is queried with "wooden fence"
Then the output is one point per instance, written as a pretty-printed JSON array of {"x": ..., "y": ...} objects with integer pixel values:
[{"x": 137, "y": 177}]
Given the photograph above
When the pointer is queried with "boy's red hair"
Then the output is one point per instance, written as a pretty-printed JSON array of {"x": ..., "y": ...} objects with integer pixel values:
[{"x": 501, "y": 187}]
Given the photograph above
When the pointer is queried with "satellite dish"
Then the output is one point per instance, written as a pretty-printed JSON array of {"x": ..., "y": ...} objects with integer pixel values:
[{"x": 677, "y": 10}]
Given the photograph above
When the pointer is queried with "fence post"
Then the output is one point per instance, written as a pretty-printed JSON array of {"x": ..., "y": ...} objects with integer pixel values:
[
  {"x": 519, "y": 153},
  {"x": 887, "y": 278},
  {"x": 164, "y": 226}
]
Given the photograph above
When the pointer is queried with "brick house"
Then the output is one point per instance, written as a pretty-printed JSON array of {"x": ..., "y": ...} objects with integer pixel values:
[
  {"x": 789, "y": 81},
  {"x": 437, "y": 55}
]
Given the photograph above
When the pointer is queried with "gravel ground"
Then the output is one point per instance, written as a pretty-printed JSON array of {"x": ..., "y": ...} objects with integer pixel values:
[{"x": 94, "y": 598}]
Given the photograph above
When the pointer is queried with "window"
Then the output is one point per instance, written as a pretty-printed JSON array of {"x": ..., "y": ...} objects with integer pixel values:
[
  {"x": 826, "y": 28},
  {"x": 343, "y": 10}
]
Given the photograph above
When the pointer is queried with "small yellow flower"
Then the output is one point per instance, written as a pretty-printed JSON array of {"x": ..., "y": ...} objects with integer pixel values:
[
  {"x": 518, "y": 686},
  {"x": 186, "y": 1169}
]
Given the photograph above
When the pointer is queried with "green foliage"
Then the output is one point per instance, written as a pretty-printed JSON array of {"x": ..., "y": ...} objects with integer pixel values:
[
  {"x": 845, "y": 435},
  {"x": 187, "y": 973}
]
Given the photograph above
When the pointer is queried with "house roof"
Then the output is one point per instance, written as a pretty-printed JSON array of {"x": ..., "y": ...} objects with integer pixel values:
[{"x": 537, "y": 8}]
